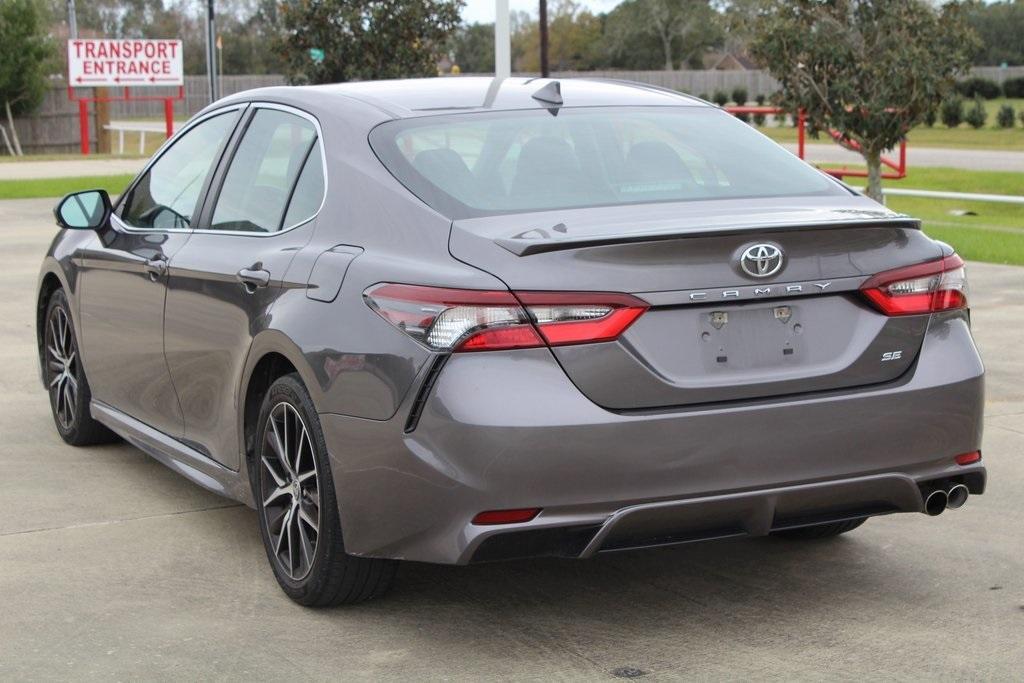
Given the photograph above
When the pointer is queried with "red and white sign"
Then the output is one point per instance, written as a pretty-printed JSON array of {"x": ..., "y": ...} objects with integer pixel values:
[{"x": 93, "y": 63}]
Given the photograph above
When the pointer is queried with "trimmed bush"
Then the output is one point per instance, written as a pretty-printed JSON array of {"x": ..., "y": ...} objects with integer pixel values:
[
  {"x": 977, "y": 86},
  {"x": 739, "y": 96},
  {"x": 931, "y": 117},
  {"x": 1021, "y": 115},
  {"x": 951, "y": 112},
  {"x": 1014, "y": 87},
  {"x": 721, "y": 98},
  {"x": 1005, "y": 118},
  {"x": 976, "y": 115},
  {"x": 759, "y": 118},
  {"x": 704, "y": 96}
]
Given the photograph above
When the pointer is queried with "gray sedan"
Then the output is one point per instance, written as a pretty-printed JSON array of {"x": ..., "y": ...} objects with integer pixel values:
[{"x": 462, "y": 320}]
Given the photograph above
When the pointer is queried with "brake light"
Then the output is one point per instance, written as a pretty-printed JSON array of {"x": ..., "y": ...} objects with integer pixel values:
[
  {"x": 477, "y": 320},
  {"x": 923, "y": 288}
]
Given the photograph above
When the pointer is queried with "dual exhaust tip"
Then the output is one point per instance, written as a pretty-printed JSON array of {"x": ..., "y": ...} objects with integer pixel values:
[{"x": 939, "y": 500}]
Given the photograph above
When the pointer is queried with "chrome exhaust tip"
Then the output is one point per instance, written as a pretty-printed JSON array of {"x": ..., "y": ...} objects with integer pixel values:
[
  {"x": 957, "y": 496},
  {"x": 935, "y": 503}
]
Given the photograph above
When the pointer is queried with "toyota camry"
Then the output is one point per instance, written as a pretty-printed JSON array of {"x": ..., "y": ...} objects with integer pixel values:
[{"x": 463, "y": 320}]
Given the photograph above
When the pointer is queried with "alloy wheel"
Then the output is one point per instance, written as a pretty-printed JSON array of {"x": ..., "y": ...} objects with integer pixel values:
[
  {"x": 290, "y": 491},
  {"x": 62, "y": 363}
]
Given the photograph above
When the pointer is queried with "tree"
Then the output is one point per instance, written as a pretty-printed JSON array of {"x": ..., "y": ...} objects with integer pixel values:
[
  {"x": 869, "y": 69},
  {"x": 472, "y": 48},
  {"x": 675, "y": 31},
  {"x": 26, "y": 58},
  {"x": 365, "y": 39},
  {"x": 1000, "y": 26},
  {"x": 574, "y": 39},
  {"x": 684, "y": 22}
]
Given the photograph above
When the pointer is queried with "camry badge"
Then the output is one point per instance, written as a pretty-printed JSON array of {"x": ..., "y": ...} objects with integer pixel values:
[{"x": 761, "y": 260}]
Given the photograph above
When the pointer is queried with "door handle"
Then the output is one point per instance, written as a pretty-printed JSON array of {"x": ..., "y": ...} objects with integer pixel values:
[
  {"x": 253, "y": 278},
  {"x": 156, "y": 267}
]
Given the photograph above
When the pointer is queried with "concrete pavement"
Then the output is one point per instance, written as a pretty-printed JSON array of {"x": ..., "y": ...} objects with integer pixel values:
[
  {"x": 970, "y": 159},
  {"x": 113, "y": 567}
]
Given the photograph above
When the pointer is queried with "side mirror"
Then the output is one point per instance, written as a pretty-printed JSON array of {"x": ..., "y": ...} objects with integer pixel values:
[{"x": 88, "y": 210}]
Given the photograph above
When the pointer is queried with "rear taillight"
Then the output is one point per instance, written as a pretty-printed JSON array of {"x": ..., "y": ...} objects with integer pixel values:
[
  {"x": 478, "y": 320},
  {"x": 923, "y": 288}
]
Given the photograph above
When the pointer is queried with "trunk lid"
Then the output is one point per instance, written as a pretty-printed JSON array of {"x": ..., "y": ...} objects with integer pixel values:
[{"x": 715, "y": 332}]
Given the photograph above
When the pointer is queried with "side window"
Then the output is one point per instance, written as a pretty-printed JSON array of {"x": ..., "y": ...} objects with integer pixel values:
[
  {"x": 263, "y": 172},
  {"x": 309, "y": 190},
  {"x": 166, "y": 196}
]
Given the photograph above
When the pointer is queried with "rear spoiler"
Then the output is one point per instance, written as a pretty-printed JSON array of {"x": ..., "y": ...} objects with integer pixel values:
[{"x": 539, "y": 240}]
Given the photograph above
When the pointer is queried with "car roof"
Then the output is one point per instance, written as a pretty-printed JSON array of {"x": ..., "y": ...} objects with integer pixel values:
[{"x": 428, "y": 96}]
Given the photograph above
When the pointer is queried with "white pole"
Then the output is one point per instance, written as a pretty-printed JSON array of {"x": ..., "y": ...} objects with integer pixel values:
[{"x": 502, "y": 41}]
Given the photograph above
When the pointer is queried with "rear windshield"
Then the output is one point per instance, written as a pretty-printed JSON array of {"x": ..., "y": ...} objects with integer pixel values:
[{"x": 479, "y": 164}]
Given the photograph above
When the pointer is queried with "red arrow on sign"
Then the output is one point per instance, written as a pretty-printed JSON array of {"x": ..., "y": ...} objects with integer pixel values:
[
  {"x": 154, "y": 79},
  {"x": 89, "y": 80},
  {"x": 129, "y": 80}
]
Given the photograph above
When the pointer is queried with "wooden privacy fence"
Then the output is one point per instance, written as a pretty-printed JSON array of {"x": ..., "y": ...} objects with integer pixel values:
[
  {"x": 54, "y": 126},
  {"x": 691, "y": 82}
]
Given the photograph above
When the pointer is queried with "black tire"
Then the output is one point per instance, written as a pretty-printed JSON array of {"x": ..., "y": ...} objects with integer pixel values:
[
  {"x": 331, "y": 577},
  {"x": 811, "y": 533},
  {"x": 65, "y": 378}
]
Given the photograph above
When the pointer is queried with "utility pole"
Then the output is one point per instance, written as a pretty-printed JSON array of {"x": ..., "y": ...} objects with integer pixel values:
[
  {"x": 544, "y": 70},
  {"x": 211, "y": 52},
  {"x": 72, "y": 21}
]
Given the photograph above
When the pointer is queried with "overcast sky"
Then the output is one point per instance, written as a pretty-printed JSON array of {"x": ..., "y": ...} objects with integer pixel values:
[{"x": 482, "y": 11}]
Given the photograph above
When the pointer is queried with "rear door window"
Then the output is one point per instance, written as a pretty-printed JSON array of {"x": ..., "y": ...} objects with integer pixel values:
[
  {"x": 309, "y": 190},
  {"x": 264, "y": 171}
]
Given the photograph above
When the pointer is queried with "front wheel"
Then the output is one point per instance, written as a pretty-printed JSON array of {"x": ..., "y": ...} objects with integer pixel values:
[
  {"x": 65, "y": 379},
  {"x": 298, "y": 510}
]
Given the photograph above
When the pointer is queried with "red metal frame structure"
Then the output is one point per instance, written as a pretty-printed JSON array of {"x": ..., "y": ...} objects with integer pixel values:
[
  {"x": 83, "y": 109},
  {"x": 899, "y": 168}
]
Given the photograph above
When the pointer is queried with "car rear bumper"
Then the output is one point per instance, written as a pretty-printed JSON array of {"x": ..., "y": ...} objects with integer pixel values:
[{"x": 504, "y": 430}]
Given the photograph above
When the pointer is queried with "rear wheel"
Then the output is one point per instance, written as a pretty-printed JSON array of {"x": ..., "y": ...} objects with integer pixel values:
[
  {"x": 298, "y": 510},
  {"x": 65, "y": 379},
  {"x": 809, "y": 533}
]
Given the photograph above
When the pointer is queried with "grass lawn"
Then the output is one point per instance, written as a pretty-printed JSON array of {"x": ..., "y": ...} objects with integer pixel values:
[
  {"x": 995, "y": 234},
  {"x": 58, "y": 187},
  {"x": 962, "y": 137},
  {"x": 958, "y": 180}
]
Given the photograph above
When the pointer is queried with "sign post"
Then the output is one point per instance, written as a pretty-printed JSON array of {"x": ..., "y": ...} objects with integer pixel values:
[{"x": 124, "y": 64}]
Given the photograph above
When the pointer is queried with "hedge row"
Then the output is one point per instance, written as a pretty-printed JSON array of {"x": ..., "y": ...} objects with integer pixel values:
[{"x": 989, "y": 89}]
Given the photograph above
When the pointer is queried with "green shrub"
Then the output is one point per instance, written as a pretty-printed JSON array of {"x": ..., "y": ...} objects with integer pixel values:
[
  {"x": 931, "y": 117},
  {"x": 759, "y": 118},
  {"x": 976, "y": 115},
  {"x": 739, "y": 96},
  {"x": 704, "y": 96},
  {"x": 721, "y": 98},
  {"x": 1014, "y": 87},
  {"x": 951, "y": 111},
  {"x": 1005, "y": 117},
  {"x": 973, "y": 87},
  {"x": 1021, "y": 116}
]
